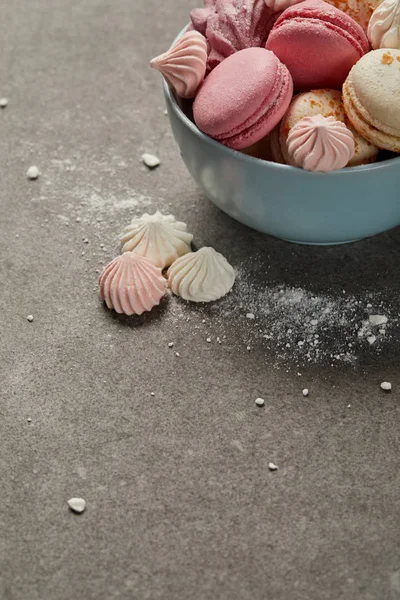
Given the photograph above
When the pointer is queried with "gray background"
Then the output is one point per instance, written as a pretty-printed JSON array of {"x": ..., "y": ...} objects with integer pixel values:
[{"x": 180, "y": 501}]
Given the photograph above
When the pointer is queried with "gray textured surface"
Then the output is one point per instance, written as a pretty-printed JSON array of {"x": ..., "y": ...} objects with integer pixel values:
[{"x": 180, "y": 502}]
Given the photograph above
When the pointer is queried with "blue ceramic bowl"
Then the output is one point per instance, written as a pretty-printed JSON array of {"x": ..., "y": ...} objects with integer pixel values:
[{"x": 286, "y": 202}]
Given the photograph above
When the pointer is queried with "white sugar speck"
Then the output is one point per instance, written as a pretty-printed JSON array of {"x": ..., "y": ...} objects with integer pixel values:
[
  {"x": 208, "y": 340},
  {"x": 77, "y": 505},
  {"x": 29, "y": 420},
  {"x": 272, "y": 467},
  {"x": 371, "y": 339},
  {"x": 171, "y": 345},
  {"x": 378, "y": 319},
  {"x": 29, "y": 318},
  {"x": 3, "y": 102},
  {"x": 177, "y": 354},
  {"x": 250, "y": 316},
  {"x": 33, "y": 173},
  {"x": 305, "y": 392},
  {"x": 152, "y": 394},
  {"x": 260, "y": 401},
  {"x": 386, "y": 386},
  {"x": 150, "y": 160}
]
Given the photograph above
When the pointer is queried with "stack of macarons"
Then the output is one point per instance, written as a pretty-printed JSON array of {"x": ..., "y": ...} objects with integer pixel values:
[{"x": 308, "y": 83}]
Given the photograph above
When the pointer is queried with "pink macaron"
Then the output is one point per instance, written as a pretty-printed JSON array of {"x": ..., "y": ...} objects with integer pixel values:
[
  {"x": 318, "y": 43},
  {"x": 243, "y": 98}
]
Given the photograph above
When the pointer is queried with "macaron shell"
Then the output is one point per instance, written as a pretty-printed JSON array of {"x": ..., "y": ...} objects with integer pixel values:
[
  {"x": 243, "y": 98},
  {"x": 318, "y": 43},
  {"x": 374, "y": 85},
  {"x": 381, "y": 139}
]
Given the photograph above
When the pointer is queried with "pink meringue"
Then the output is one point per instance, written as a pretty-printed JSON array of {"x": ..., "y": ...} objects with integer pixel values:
[
  {"x": 233, "y": 25},
  {"x": 199, "y": 16},
  {"x": 321, "y": 144},
  {"x": 184, "y": 65},
  {"x": 281, "y": 5},
  {"x": 131, "y": 284}
]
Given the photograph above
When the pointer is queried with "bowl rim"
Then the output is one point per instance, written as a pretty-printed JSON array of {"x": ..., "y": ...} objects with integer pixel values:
[{"x": 348, "y": 171}]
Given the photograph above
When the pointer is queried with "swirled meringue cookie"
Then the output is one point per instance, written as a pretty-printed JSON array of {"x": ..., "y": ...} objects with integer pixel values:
[
  {"x": 131, "y": 284},
  {"x": 320, "y": 144},
  {"x": 184, "y": 65},
  {"x": 280, "y": 5},
  {"x": 160, "y": 238},
  {"x": 202, "y": 276},
  {"x": 384, "y": 26},
  {"x": 327, "y": 103}
]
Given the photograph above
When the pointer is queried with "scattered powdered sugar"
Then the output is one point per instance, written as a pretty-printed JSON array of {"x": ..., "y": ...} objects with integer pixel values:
[
  {"x": 377, "y": 320},
  {"x": 94, "y": 202},
  {"x": 100, "y": 201},
  {"x": 295, "y": 325},
  {"x": 298, "y": 324}
]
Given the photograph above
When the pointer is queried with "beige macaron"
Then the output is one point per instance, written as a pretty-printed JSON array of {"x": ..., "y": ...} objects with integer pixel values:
[
  {"x": 371, "y": 95},
  {"x": 327, "y": 103}
]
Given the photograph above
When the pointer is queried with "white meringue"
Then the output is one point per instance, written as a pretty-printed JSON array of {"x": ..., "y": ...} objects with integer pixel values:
[
  {"x": 131, "y": 284},
  {"x": 77, "y": 505},
  {"x": 161, "y": 238},
  {"x": 384, "y": 26},
  {"x": 202, "y": 276}
]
